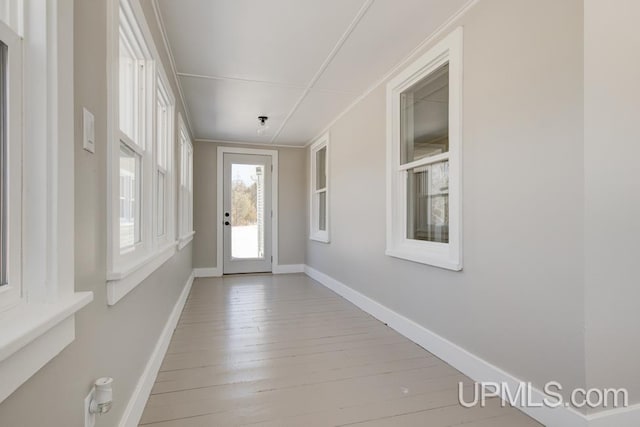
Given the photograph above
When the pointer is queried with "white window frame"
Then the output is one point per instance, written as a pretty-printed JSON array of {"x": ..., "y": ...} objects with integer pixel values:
[
  {"x": 314, "y": 206},
  {"x": 39, "y": 324},
  {"x": 185, "y": 196},
  {"x": 164, "y": 89},
  {"x": 10, "y": 293},
  {"x": 128, "y": 267},
  {"x": 444, "y": 255}
]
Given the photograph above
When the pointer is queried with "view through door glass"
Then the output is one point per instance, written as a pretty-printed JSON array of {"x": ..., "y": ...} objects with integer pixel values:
[{"x": 247, "y": 211}]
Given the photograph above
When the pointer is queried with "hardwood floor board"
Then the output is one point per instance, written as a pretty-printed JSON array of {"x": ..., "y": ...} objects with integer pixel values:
[
  {"x": 293, "y": 376},
  {"x": 244, "y": 404},
  {"x": 331, "y": 360},
  {"x": 266, "y": 342},
  {"x": 207, "y": 357},
  {"x": 269, "y": 351},
  {"x": 408, "y": 403},
  {"x": 453, "y": 415}
]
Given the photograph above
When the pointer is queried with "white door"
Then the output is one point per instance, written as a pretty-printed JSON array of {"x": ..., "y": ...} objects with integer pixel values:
[{"x": 247, "y": 213}]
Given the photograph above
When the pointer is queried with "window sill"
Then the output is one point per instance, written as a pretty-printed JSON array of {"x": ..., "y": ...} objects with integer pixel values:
[
  {"x": 33, "y": 334},
  {"x": 185, "y": 240},
  {"x": 120, "y": 283},
  {"x": 321, "y": 239},
  {"x": 426, "y": 258}
]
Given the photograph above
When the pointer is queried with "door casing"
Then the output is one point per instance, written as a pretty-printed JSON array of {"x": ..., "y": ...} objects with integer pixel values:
[{"x": 220, "y": 202}]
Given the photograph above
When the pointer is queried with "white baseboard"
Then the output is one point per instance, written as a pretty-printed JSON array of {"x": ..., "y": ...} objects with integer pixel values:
[
  {"x": 473, "y": 366},
  {"x": 208, "y": 272},
  {"x": 288, "y": 268},
  {"x": 135, "y": 407},
  {"x": 622, "y": 417}
]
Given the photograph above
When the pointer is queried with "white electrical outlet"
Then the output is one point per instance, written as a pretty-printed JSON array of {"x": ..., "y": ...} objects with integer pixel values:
[{"x": 89, "y": 418}]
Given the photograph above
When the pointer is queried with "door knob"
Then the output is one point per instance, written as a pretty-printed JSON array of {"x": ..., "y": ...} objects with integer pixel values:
[{"x": 226, "y": 223}]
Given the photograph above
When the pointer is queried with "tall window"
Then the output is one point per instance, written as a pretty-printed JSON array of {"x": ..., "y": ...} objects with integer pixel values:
[
  {"x": 424, "y": 146},
  {"x": 320, "y": 190},
  {"x": 142, "y": 117},
  {"x": 38, "y": 301},
  {"x": 186, "y": 185},
  {"x": 164, "y": 155},
  {"x": 134, "y": 83},
  {"x": 10, "y": 161}
]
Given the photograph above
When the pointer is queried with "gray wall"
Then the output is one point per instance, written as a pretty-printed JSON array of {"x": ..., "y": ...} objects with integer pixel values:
[
  {"x": 291, "y": 204},
  {"x": 519, "y": 302},
  {"x": 612, "y": 193},
  {"x": 110, "y": 341}
]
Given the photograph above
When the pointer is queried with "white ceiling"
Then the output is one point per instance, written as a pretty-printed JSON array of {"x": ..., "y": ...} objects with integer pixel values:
[{"x": 300, "y": 62}]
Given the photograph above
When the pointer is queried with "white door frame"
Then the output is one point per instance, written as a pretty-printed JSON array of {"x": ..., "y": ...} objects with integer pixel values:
[{"x": 220, "y": 208}]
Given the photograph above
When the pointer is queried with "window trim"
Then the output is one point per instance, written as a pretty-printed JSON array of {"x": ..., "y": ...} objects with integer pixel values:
[
  {"x": 443, "y": 255},
  {"x": 314, "y": 232},
  {"x": 126, "y": 270},
  {"x": 169, "y": 168},
  {"x": 185, "y": 230},
  {"x": 11, "y": 292},
  {"x": 43, "y": 323}
]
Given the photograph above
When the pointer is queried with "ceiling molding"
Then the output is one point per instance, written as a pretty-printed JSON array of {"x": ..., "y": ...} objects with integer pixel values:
[
  {"x": 238, "y": 79},
  {"x": 437, "y": 33},
  {"x": 345, "y": 36},
  {"x": 265, "y": 82},
  {"x": 172, "y": 62},
  {"x": 259, "y": 144}
]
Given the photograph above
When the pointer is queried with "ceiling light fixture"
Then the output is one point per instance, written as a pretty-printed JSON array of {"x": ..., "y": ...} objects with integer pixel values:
[{"x": 263, "y": 126}]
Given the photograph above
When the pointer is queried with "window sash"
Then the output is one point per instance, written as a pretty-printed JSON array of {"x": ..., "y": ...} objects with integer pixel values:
[
  {"x": 398, "y": 244},
  {"x": 319, "y": 220},
  {"x": 12, "y": 147}
]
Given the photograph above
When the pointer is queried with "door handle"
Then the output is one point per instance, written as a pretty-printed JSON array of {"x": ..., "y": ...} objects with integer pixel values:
[{"x": 226, "y": 223}]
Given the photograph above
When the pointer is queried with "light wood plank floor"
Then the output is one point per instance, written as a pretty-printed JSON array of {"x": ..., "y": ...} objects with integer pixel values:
[{"x": 283, "y": 350}]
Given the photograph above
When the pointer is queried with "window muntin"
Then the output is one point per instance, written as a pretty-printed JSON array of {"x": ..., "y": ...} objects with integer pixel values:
[
  {"x": 424, "y": 158},
  {"x": 319, "y": 190}
]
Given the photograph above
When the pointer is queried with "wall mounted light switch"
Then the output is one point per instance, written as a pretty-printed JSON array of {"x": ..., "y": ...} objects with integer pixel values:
[{"x": 88, "y": 131}]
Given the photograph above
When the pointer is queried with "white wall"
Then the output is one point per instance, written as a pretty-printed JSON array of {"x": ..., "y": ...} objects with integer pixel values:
[
  {"x": 291, "y": 203},
  {"x": 519, "y": 302},
  {"x": 612, "y": 193}
]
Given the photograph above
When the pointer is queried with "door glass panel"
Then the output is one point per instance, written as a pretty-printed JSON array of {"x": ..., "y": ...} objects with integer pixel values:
[
  {"x": 428, "y": 208},
  {"x": 424, "y": 117},
  {"x": 247, "y": 211}
]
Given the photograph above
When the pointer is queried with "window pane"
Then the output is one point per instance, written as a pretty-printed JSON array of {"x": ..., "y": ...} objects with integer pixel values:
[
  {"x": 428, "y": 203},
  {"x": 322, "y": 211},
  {"x": 129, "y": 197},
  {"x": 321, "y": 168},
  {"x": 3, "y": 164},
  {"x": 424, "y": 117},
  {"x": 129, "y": 96},
  {"x": 160, "y": 203},
  {"x": 162, "y": 125},
  {"x": 161, "y": 133},
  {"x": 247, "y": 211}
]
